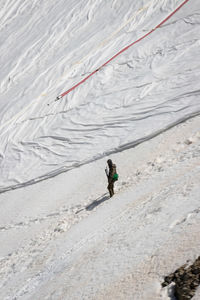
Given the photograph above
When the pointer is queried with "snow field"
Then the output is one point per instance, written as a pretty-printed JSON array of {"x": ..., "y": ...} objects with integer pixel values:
[
  {"x": 61, "y": 236},
  {"x": 113, "y": 246},
  {"x": 152, "y": 86}
]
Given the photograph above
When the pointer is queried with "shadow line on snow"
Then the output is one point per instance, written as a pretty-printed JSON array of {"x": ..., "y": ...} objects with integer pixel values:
[{"x": 97, "y": 202}]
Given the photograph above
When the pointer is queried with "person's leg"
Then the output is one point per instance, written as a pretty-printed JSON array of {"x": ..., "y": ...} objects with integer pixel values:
[{"x": 110, "y": 189}]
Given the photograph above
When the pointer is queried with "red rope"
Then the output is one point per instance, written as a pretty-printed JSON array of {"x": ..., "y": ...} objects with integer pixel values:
[{"x": 121, "y": 51}]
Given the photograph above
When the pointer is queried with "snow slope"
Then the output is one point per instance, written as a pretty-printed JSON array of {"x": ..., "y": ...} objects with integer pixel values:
[
  {"x": 47, "y": 47},
  {"x": 63, "y": 238},
  {"x": 72, "y": 243}
]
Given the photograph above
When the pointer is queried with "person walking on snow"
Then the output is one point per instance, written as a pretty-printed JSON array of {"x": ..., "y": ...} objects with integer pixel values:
[{"x": 112, "y": 176}]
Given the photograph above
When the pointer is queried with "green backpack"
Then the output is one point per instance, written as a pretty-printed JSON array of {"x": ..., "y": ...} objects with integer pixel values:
[{"x": 115, "y": 177}]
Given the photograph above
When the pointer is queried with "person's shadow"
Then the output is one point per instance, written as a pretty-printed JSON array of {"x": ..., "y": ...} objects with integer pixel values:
[{"x": 97, "y": 202}]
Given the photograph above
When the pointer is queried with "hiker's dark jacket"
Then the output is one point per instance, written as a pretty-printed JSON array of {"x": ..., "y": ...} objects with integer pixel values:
[{"x": 112, "y": 171}]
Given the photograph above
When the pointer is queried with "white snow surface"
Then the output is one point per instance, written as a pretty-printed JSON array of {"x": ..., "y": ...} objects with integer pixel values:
[
  {"x": 46, "y": 47},
  {"x": 62, "y": 237}
]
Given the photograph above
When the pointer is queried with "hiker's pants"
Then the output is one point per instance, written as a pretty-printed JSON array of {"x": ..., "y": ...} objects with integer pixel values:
[{"x": 111, "y": 188}]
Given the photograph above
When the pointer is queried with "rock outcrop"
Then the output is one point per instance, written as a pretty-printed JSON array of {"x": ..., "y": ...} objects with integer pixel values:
[{"x": 186, "y": 280}]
